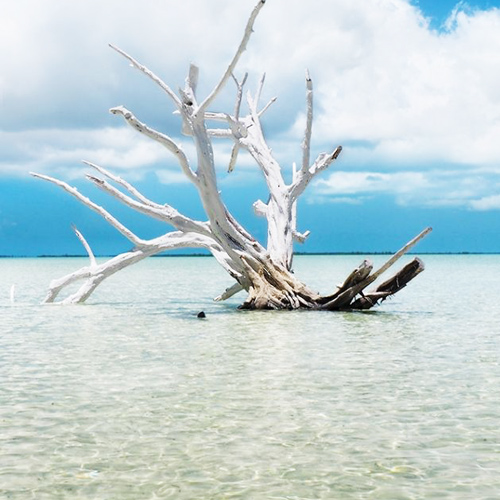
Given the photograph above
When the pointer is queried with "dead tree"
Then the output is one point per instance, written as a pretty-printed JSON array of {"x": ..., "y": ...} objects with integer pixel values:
[{"x": 264, "y": 272}]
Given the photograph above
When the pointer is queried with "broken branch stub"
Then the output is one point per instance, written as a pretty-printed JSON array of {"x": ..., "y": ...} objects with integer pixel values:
[{"x": 263, "y": 271}]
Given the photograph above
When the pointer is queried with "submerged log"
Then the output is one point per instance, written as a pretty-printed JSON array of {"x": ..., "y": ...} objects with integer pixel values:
[
  {"x": 276, "y": 288},
  {"x": 345, "y": 296},
  {"x": 391, "y": 286}
]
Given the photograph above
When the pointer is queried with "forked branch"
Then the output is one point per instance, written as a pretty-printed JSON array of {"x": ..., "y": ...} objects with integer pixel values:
[
  {"x": 232, "y": 65},
  {"x": 163, "y": 139},
  {"x": 264, "y": 272}
]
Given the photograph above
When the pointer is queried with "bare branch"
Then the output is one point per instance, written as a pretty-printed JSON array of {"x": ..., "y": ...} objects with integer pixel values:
[
  {"x": 163, "y": 139},
  {"x": 219, "y": 117},
  {"x": 220, "y": 133},
  {"x": 400, "y": 253},
  {"x": 230, "y": 69},
  {"x": 239, "y": 95},
  {"x": 303, "y": 177},
  {"x": 391, "y": 286},
  {"x": 343, "y": 298},
  {"x": 301, "y": 237},
  {"x": 306, "y": 144},
  {"x": 237, "y": 128},
  {"x": 324, "y": 161},
  {"x": 259, "y": 89},
  {"x": 293, "y": 222},
  {"x": 260, "y": 208},
  {"x": 267, "y": 106},
  {"x": 192, "y": 79},
  {"x": 96, "y": 208},
  {"x": 122, "y": 182},
  {"x": 189, "y": 98},
  {"x": 234, "y": 157},
  {"x": 257, "y": 146},
  {"x": 164, "y": 213},
  {"x": 83, "y": 241},
  {"x": 151, "y": 75},
  {"x": 94, "y": 275},
  {"x": 229, "y": 292}
]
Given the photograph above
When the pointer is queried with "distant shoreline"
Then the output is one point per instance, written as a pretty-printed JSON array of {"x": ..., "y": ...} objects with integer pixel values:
[{"x": 79, "y": 256}]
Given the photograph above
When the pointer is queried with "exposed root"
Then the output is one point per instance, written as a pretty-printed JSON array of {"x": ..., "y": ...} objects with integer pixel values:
[{"x": 274, "y": 287}]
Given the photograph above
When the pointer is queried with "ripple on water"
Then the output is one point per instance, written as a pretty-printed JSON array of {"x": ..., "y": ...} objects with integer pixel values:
[{"x": 135, "y": 398}]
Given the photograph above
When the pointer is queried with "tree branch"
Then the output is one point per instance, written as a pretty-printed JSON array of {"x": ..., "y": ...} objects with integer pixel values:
[
  {"x": 230, "y": 69},
  {"x": 239, "y": 95},
  {"x": 95, "y": 274},
  {"x": 343, "y": 297},
  {"x": 260, "y": 208},
  {"x": 164, "y": 213},
  {"x": 192, "y": 80},
  {"x": 259, "y": 90},
  {"x": 163, "y": 139},
  {"x": 234, "y": 157},
  {"x": 391, "y": 286},
  {"x": 267, "y": 106},
  {"x": 229, "y": 292},
  {"x": 220, "y": 133},
  {"x": 256, "y": 145},
  {"x": 96, "y": 208},
  {"x": 151, "y": 75},
  {"x": 323, "y": 161},
  {"x": 301, "y": 237},
  {"x": 306, "y": 144},
  {"x": 83, "y": 241},
  {"x": 122, "y": 182}
]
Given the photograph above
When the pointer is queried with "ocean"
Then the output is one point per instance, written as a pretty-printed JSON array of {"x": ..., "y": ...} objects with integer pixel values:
[{"x": 131, "y": 396}]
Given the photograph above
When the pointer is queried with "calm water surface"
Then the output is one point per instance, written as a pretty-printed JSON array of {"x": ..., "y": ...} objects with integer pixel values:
[{"x": 132, "y": 397}]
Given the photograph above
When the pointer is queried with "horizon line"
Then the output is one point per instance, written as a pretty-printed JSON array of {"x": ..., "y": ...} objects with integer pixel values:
[{"x": 78, "y": 256}]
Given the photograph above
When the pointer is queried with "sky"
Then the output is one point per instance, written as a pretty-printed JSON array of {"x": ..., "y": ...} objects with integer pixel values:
[{"x": 409, "y": 88}]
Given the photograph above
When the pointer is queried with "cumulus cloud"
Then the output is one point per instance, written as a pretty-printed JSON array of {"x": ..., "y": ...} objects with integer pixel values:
[
  {"x": 430, "y": 188},
  {"x": 423, "y": 103},
  {"x": 355, "y": 187},
  {"x": 486, "y": 203},
  {"x": 415, "y": 94},
  {"x": 54, "y": 150},
  {"x": 370, "y": 182}
]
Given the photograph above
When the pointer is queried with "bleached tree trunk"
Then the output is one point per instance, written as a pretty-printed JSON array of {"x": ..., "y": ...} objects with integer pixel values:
[{"x": 264, "y": 272}]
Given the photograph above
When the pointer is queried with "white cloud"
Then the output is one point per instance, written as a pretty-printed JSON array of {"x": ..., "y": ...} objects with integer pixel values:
[
  {"x": 171, "y": 177},
  {"x": 340, "y": 183},
  {"x": 486, "y": 203},
  {"x": 391, "y": 89},
  {"x": 56, "y": 150},
  {"x": 417, "y": 95},
  {"x": 352, "y": 187},
  {"x": 431, "y": 188}
]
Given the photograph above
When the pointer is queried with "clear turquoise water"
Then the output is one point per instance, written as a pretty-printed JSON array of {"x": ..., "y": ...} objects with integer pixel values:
[{"x": 132, "y": 397}]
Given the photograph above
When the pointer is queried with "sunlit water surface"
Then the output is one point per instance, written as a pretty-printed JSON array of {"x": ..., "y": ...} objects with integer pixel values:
[{"x": 131, "y": 396}]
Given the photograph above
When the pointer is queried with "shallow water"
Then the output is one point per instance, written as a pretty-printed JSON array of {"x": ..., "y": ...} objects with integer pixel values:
[{"x": 132, "y": 397}]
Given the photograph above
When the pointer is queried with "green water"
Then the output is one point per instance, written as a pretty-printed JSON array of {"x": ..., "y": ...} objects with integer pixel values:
[{"x": 132, "y": 397}]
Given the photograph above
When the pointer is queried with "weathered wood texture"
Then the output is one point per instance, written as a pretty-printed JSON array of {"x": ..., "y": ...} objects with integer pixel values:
[{"x": 265, "y": 272}]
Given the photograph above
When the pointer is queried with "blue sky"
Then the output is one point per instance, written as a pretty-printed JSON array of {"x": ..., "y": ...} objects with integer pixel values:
[{"x": 410, "y": 89}]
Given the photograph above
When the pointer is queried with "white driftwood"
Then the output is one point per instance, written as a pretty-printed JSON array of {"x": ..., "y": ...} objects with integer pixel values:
[{"x": 263, "y": 271}]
